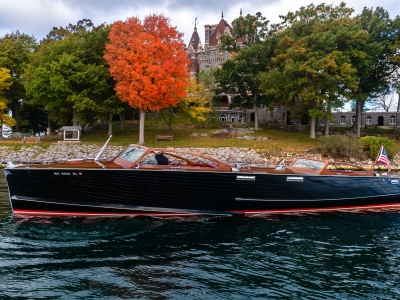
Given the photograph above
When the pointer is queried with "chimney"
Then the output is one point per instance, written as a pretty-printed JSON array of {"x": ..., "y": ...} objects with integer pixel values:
[{"x": 207, "y": 29}]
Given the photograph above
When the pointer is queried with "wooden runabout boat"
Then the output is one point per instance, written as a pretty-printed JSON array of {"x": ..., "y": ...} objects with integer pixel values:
[{"x": 193, "y": 184}]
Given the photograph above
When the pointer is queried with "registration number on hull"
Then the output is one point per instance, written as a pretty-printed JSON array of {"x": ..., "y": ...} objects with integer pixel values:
[{"x": 246, "y": 178}]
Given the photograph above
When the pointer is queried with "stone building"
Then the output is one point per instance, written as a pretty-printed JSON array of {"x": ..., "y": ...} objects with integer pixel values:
[
  {"x": 345, "y": 119},
  {"x": 369, "y": 118},
  {"x": 209, "y": 56}
]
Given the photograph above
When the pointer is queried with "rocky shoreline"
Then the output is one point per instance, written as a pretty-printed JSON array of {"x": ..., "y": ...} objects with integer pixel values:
[{"x": 36, "y": 154}]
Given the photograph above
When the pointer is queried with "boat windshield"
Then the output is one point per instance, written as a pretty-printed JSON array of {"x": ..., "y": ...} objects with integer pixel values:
[
  {"x": 131, "y": 154},
  {"x": 308, "y": 164}
]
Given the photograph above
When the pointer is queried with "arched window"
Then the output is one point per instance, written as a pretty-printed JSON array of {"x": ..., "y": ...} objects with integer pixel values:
[
  {"x": 342, "y": 120},
  {"x": 392, "y": 120},
  {"x": 223, "y": 118},
  {"x": 368, "y": 120},
  {"x": 233, "y": 118},
  {"x": 353, "y": 119}
]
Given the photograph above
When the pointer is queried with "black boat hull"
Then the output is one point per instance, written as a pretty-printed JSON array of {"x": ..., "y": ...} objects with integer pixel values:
[{"x": 50, "y": 191}]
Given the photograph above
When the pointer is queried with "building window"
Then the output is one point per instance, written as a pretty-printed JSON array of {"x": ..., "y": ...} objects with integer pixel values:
[
  {"x": 332, "y": 122},
  {"x": 353, "y": 119},
  {"x": 233, "y": 119},
  {"x": 342, "y": 120},
  {"x": 392, "y": 120},
  {"x": 223, "y": 118},
  {"x": 368, "y": 120}
]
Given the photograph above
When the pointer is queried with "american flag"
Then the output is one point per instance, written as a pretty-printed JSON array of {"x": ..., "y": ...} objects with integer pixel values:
[{"x": 383, "y": 158}]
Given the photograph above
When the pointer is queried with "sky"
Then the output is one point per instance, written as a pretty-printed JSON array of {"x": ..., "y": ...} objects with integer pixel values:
[{"x": 38, "y": 17}]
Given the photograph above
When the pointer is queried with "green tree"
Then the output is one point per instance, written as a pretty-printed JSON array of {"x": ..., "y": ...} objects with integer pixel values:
[
  {"x": 69, "y": 74},
  {"x": 15, "y": 49},
  {"x": 248, "y": 30},
  {"x": 238, "y": 76},
  {"x": 308, "y": 63},
  {"x": 34, "y": 118},
  {"x": 377, "y": 59},
  {"x": 207, "y": 78}
]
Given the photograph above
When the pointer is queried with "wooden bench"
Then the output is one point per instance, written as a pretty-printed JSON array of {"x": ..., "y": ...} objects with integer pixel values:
[
  {"x": 164, "y": 138},
  {"x": 391, "y": 136},
  {"x": 30, "y": 139}
]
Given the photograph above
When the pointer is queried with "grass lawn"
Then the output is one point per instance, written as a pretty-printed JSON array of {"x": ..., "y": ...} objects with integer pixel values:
[{"x": 277, "y": 140}]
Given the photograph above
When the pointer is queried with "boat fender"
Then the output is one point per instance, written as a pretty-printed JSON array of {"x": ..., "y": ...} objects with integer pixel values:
[{"x": 11, "y": 165}]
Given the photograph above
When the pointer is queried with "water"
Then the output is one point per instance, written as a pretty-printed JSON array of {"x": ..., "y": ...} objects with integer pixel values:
[{"x": 326, "y": 256}]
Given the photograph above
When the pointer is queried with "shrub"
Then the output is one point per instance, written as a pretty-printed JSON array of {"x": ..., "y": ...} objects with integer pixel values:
[
  {"x": 372, "y": 145},
  {"x": 341, "y": 146}
]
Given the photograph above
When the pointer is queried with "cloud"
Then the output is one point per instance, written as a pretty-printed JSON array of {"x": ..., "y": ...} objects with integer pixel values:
[{"x": 38, "y": 17}]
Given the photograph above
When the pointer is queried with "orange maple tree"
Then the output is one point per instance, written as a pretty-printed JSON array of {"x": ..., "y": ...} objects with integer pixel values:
[{"x": 149, "y": 64}]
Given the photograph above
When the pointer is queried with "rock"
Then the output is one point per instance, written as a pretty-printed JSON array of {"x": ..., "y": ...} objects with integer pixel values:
[{"x": 222, "y": 135}]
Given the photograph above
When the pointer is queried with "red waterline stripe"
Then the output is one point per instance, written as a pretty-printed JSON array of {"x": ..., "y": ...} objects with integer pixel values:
[
  {"x": 372, "y": 206},
  {"x": 169, "y": 214}
]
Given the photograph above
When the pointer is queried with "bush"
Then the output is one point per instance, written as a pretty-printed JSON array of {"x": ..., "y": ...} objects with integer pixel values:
[
  {"x": 341, "y": 146},
  {"x": 372, "y": 145}
]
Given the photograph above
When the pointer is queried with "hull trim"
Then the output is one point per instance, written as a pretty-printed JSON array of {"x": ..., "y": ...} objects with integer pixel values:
[
  {"x": 328, "y": 209},
  {"x": 312, "y": 200},
  {"x": 22, "y": 212},
  {"x": 131, "y": 209}
]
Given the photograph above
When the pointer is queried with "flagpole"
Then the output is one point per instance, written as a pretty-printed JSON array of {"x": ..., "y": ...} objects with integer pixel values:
[{"x": 376, "y": 158}]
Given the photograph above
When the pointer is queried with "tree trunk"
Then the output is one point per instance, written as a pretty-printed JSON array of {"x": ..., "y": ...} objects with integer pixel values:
[
  {"x": 271, "y": 115},
  {"x": 110, "y": 124},
  {"x": 328, "y": 112},
  {"x": 48, "y": 131},
  {"x": 122, "y": 120},
  {"x": 74, "y": 117},
  {"x": 141, "y": 127},
  {"x": 255, "y": 116},
  {"x": 74, "y": 122},
  {"x": 398, "y": 108},
  {"x": 312, "y": 128},
  {"x": 15, "y": 114},
  {"x": 398, "y": 101},
  {"x": 327, "y": 127},
  {"x": 358, "y": 118},
  {"x": 285, "y": 115}
]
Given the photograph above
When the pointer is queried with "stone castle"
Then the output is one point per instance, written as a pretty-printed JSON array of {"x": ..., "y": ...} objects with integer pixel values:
[{"x": 208, "y": 56}]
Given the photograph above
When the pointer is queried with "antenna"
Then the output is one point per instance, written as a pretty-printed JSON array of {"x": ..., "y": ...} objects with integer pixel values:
[{"x": 195, "y": 23}]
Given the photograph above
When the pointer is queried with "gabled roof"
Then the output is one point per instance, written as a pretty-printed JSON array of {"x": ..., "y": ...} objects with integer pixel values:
[
  {"x": 194, "y": 42},
  {"x": 219, "y": 30}
]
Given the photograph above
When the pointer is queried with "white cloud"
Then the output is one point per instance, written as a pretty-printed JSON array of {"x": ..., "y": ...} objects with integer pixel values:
[{"x": 38, "y": 17}]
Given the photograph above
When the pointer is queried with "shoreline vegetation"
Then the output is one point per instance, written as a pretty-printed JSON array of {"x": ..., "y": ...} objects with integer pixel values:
[{"x": 264, "y": 147}]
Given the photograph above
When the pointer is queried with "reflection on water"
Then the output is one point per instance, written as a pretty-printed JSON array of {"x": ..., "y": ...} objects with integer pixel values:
[{"x": 327, "y": 256}]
